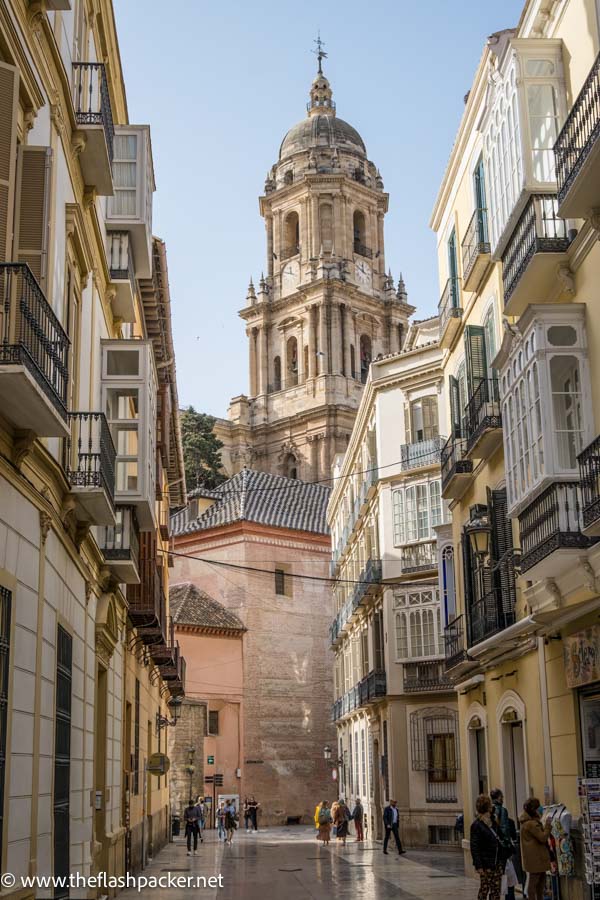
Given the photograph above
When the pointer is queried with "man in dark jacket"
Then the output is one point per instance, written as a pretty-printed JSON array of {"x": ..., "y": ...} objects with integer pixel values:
[
  {"x": 486, "y": 848},
  {"x": 192, "y": 816},
  {"x": 391, "y": 822}
]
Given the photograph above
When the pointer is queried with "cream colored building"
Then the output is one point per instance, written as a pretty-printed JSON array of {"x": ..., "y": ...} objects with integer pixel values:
[
  {"x": 90, "y": 456},
  {"x": 395, "y": 709},
  {"x": 325, "y": 307},
  {"x": 519, "y": 264}
]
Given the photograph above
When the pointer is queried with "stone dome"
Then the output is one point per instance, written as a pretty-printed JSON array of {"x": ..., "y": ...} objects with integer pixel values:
[{"x": 324, "y": 130}]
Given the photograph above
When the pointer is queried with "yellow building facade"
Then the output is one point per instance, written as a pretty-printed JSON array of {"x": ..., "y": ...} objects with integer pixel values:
[
  {"x": 519, "y": 261},
  {"x": 90, "y": 455}
]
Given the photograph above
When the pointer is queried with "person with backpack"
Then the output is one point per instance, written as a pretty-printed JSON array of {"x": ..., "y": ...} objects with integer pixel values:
[
  {"x": 500, "y": 813},
  {"x": 341, "y": 821},
  {"x": 357, "y": 818},
  {"x": 324, "y": 820}
]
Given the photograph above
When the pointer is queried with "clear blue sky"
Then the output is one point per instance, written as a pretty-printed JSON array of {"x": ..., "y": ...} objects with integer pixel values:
[{"x": 221, "y": 83}]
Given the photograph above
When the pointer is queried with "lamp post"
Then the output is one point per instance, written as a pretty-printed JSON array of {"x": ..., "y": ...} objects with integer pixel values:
[
  {"x": 339, "y": 762},
  {"x": 479, "y": 532},
  {"x": 174, "y": 707}
]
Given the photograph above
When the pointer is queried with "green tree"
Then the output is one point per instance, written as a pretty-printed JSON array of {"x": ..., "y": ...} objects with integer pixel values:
[{"x": 201, "y": 450}]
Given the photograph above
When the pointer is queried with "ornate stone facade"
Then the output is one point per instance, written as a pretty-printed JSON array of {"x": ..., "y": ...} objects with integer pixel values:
[{"x": 326, "y": 306}]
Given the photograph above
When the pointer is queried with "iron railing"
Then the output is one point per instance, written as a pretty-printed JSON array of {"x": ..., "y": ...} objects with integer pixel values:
[
  {"x": 31, "y": 334},
  {"x": 91, "y": 99},
  {"x": 418, "y": 557},
  {"x": 120, "y": 257},
  {"x": 483, "y": 410},
  {"x": 372, "y": 687},
  {"x": 455, "y": 644},
  {"x": 552, "y": 522},
  {"x": 146, "y": 600},
  {"x": 120, "y": 542},
  {"x": 539, "y": 230},
  {"x": 441, "y": 786},
  {"x": 90, "y": 453},
  {"x": 363, "y": 250},
  {"x": 421, "y": 453},
  {"x": 579, "y": 133},
  {"x": 491, "y": 614},
  {"x": 426, "y": 676},
  {"x": 449, "y": 305},
  {"x": 589, "y": 470},
  {"x": 453, "y": 461},
  {"x": 288, "y": 252},
  {"x": 476, "y": 241}
]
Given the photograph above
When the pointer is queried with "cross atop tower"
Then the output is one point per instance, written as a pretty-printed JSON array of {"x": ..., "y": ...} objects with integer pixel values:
[{"x": 319, "y": 52}]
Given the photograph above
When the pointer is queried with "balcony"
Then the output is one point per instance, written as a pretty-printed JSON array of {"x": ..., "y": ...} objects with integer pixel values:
[
  {"x": 122, "y": 275},
  {"x": 494, "y": 612},
  {"x": 419, "y": 557},
  {"x": 93, "y": 114},
  {"x": 551, "y": 532},
  {"x": 421, "y": 453},
  {"x": 146, "y": 602},
  {"x": 536, "y": 247},
  {"x": 372, "y": 687},
  {"x": 577, "y": 152},
  {"x": 121, "y": 547},
  {"x": 423, "y": 677},
  {"x": 362, "y": 250},
  {"x": 457, "y": 469},
  {"x": 289, "y": 252},
  {"x": 177, "y": 684},
  {"x": 369, "y": 578},
  {"x": 90, "y": 467},
  {"x": 164, "y": 652},
  {"x": 455, "y": 646},
  {"x": 449, "y": 311},
  {"x": 484, "y": 420},
  {"x": 346, "y": 704},
  {"x": 476, "y": 251},
  {"x": 589, "y": 469},
  {"x": 33, "y": 356}
]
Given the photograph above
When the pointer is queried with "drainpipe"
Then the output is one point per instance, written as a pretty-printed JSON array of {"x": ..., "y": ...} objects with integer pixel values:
[{"x": 549, "y": 778}]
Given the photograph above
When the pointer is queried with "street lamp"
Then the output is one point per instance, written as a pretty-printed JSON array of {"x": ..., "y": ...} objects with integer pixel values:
[
  {"x": 174, "y": 707},
  {"x": 479, "y": 531}
]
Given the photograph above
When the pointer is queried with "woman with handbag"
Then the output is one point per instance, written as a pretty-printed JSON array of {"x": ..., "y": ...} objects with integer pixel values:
[
  {"x": 500, "y": 812},
  {"x": 534, "y": 847},
  {"x": 487, "y": 850}
]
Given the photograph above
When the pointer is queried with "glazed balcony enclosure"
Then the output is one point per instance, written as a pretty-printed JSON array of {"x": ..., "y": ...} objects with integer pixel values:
[
  {"x": 90, "y": 467},
  {"x": 34, "y": 351},
  {"x": 120, "y": 546},
  {"x": 536, "y": 248},
  {"x": 577, "y": 152},
  {"x": 370, "y": 577},
  {"x": 589, "y": 470},
  {"x": 93, "y": 114},
  {"x": 122, "y": 275},
  {"x": 457, "y": 469},
  {"x": 476, "y": 254},
  {"x": 449, "y": 310}
]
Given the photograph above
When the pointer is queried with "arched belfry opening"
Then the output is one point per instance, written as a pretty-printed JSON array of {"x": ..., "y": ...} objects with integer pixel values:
[
  {"x": 290, "y": 466},
  {"x": 291, "y": 361},
  {"x": 291, "y": 234},
  {"x": 366, "y": 355},
  {"x": 277, "y": 373},
  {"x": 360, "y": 230}
]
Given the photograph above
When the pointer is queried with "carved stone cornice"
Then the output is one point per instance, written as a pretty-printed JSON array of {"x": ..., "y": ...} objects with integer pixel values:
[
  {"x": 45, "y": 523},
  {"x": 22, "y": 446}
]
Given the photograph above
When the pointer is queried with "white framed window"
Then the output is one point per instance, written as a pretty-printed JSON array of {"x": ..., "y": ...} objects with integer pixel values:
[
  {"x": 125, "y": 174},
  {"x": 416, "y": 509},
  {"x": 418, "y": 625}
]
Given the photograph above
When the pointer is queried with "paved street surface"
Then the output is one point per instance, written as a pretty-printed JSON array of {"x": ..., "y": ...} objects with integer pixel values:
[{"x": 288, "y": 864}]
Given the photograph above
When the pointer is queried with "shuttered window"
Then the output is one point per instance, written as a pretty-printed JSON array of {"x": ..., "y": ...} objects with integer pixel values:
[
  {"x": 475, "y": 357},
  {"x": 32, "y": 217},
  {"x": 9, "y": 104},
  {"x": 455, "y": 412},
  {"x": 501, "y": 561}
]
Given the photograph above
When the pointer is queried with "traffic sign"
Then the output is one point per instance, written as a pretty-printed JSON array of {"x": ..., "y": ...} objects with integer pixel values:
[
  {"x": 210, "y": 760},
  {"x": 158, "y": 764}
]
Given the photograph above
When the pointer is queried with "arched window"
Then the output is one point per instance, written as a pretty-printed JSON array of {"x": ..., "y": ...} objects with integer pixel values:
[
  {"x": 360, "y": 231},
  {"x": 288, "y": 178},
  {"x": 326, "y": 218},
  {"x": 352, "y": 361},
  {"x": 277, "y": 373},
  {"x": 291, "y": 361},
  {"x": 366, "y": 355},
  {"x": 291, "y": 235},
  {"x": 291, "y": 466}
]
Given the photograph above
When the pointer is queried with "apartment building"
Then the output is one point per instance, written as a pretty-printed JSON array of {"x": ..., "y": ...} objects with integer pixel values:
[
  {"x": 519, "y": 260},
  {"x": 90, "y": 454},
  {"x": 395, "y": 709}
]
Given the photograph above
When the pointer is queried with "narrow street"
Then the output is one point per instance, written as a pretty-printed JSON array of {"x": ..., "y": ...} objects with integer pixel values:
[{"x": 288, "y": 863}]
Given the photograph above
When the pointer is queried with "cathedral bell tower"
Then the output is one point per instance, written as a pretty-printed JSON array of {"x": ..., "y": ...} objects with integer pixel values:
[{"x": 324, "y": 306}]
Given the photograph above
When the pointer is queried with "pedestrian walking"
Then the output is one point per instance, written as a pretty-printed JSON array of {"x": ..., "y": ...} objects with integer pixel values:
[
  {"x": 253, "y": 806},
  {"x": 324, "y": 822},
  {"x": 486, "y": 850},
  {"x": 220, "y": 816},
  {"x": 231, "y": 820},
  {"x": 246, "y": 813},
  {"x": 534, "y": 847},
  {"x": 391, "y": 823},
  {"x": 316, "y": 816},
  {"x": 500, "y": 813},
  {"x": 191, "y": 817},
  {"x": 341, "y": 820},
  {"x": 334, "y": 807},
  {"x": 357, "y": 818}
]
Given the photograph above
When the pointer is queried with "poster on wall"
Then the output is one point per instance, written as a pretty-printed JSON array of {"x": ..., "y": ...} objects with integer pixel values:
[{"x": 582, "y": 657}]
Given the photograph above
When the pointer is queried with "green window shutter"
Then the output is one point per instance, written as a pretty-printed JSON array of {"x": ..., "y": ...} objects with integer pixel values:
[
  {"x": 32, "y": 219},
  {"x": 455, "y": 416},
  {"x": 475, "y": 357},
  {"x": 9, "y": 106},
  {"x": 501, "y": 560}
]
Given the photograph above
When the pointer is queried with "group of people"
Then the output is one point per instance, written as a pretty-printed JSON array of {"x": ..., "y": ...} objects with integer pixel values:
[
  {"x": 338, "y": 817},
  {"x": 227, "y": 821},
  {"x": 494, "y": 848},
  {"x": 251, "y": 814}
]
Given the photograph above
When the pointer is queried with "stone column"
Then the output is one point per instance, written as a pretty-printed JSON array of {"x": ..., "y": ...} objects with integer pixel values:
[
  {"x": 316, "y": 238},
  {"x": 314, "y": 456},
  {"x": 304, "y": 242},
  {"x": 253, "y": 370},
  {"x": 300, "y": 339},
  {"x": 312, "y": 342},
  {"x": 269, "y": 227},
  {"x": 323, "y": 368},
  {"x": 264, "y": 359},
  {"x": 345, "y": 334},
  {"x": 336, "y": 339},
  {"x": 325, "y": 456},
  {"x": 338, "y": 226}
]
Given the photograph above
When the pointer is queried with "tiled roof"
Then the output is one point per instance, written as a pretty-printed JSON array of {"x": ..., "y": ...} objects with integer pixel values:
[
  {"x": 264, "y": 498},
  {"x": 191, "y": 606}
]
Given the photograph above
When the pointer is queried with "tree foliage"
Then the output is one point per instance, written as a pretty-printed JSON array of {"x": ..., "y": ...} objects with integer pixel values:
[{"x": 201, "y": 450}]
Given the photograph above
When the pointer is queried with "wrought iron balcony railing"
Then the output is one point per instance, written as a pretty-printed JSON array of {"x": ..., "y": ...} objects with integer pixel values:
[
  {"x": 579, "y": 133},
  {"x": 476, "y": 242},
  {"x": 31, "y": 335},
  {"x": 455, "y": 642},
  {"x": 421, "y": 453},
  {"x": 90, "y": 453},
  {"x": 426, "y": 676},
  {"x": 372, "y": 687},
  {"x": 288, "y": 252},
  {"x": 483, "y": 410},
  {"x": 551, "y": 522},
  {"x": 92, "y": 99},
  {"x": 494, "y": 612},
  {"x": 363, "y": 250},
  {"x": 539, "y": 230},
  {"x": 418, "y": 557},
  {"x": 453, "y": 460},
  {"x": 146, "y": 600},
  {"x": 589, "y": 469},
  {"x": 449, "y": 305}
]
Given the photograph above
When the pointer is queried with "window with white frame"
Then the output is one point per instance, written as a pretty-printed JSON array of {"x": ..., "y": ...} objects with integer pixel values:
[
  {"x": 546, "y": 402},
  {"x": 489, "y": 332},
  {"x": 125, "y": 168},
  {"x": 417, "y": 624},
  {"x": 416, "y": 510},
  {"x": 448, "y": 583}
]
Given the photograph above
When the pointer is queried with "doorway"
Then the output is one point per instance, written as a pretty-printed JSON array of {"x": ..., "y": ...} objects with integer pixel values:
[{"x": 515, "y": 777}]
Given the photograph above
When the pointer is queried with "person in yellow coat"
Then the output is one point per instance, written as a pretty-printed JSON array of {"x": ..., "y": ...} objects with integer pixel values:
[{"x": 317, "y": 811}]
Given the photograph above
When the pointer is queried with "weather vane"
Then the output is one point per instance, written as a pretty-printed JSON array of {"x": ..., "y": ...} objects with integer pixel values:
[{"x": 319, "y": 52}]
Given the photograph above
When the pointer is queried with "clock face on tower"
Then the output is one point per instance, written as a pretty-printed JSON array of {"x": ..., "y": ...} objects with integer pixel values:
[
  {"x": 362, "y": 271},
  {"x": 290, "y": 276}
]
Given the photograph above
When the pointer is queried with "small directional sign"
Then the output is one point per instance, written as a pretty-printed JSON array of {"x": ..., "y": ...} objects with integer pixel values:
[{"x": 210, "y": 760}]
